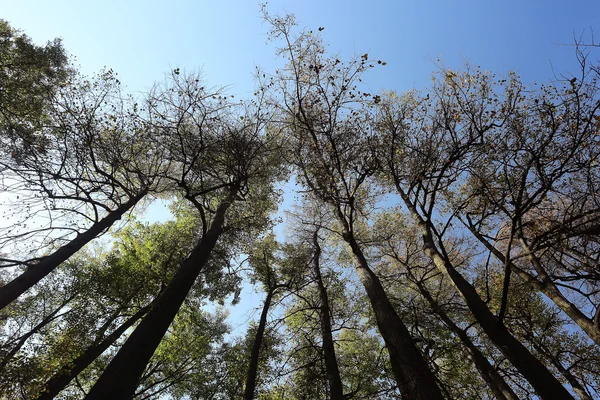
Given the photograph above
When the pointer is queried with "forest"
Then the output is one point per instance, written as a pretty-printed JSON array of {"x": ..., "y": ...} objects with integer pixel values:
[{"x": 444, "y": 243}]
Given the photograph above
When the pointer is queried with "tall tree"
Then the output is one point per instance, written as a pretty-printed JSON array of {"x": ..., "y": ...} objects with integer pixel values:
[
  {"x": 322, "y": 111},
  {"x": 442, "y": 138},
  {"x": 531, "y": 201},
  {"x": 124, "y": 284},
  {"x": 308, "y": 254},
  {"x": 87, "y": 176},
  {"x": 263, "y": 259},
  {"x": 336, "y": 390},
  {"x": 219, "y": 157}
]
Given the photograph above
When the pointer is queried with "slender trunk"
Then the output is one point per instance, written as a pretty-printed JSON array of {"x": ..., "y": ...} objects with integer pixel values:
[
  {"x": 336, "y": 389},
  {"x": 121, "y": 376},
  {"x": 410, "y": 369},
  {"x": 51, "y": 317},
  {"x": 548, "y": 288},
  {"x": 545, "y": 384},
  {"x": 35, "y": 273},
  {"x": 102, "y": 330},
  {"x": 254, "y": 355},
  {"x": 63, "y": 377},
  {"x": 489, "y": 374}
]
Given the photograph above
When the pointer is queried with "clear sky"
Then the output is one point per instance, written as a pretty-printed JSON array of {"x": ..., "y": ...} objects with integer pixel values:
[{"x": 141, "y": 40}]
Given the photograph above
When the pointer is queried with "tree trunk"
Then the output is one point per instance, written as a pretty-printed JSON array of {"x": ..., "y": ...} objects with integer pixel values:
[
  {"x": 547, "y": 287},
  {"x": 336, "y": 389},
  {"x": 489, "y": 374},
  {"x": 254, "y": 355},
  {"x": 121, "y": 377},
  {"x": 544, "y": 383},
  {"x": 35, "y": 273},
  {"x": 63, "y": 377},
  {"x": 410, "y": 369}
]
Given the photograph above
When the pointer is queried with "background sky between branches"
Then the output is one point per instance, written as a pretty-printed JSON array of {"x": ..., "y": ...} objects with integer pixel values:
[{"x": 226, "y": 40}]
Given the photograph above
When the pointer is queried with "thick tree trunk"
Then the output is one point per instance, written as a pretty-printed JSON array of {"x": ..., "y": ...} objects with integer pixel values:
[
  {"x": 545, "y": 384},
  {"x": 410, "y": 369},
  {"x": 547, "y": 287},
  {"x": 62, "y": 378},
  {"x": 254, "y": 355},
  {"x": 121, "y": 377},
  {"x": 489, "y": 374},
  {"x": 336, "y": 389},
  {"x": 47, "y": 264}
]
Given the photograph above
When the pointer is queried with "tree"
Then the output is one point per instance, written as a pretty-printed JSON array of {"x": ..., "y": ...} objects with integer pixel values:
[
  {"x": 263, "y": 259},
  {"x": 322, "y": 111},
  {"x": 183, "y": 357},
  {"x": 457, "y": 118},
  {"x": 142, "y": 261},
  {"x": 223, "y": 161},
  {"x": 536, "y": 193},
  {"x": 336, "y": 391},
  {"x": 360, "y": 357},
  {"x": 399, "y": 244},
  {"x": 306, "y": 254},
  {"x": 87, "y": 177},
  {"x": 26, "y": 323}
]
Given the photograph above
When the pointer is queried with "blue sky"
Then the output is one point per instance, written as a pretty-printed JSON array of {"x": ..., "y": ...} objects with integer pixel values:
[{"x": 141, "y": 40}]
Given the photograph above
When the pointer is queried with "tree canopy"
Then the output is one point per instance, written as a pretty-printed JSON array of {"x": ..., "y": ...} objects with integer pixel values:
[{"x": 444, "y": 243}]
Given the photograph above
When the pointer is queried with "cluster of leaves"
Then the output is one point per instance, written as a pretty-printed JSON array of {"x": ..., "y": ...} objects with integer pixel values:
[{"x": 29, "y": 76}]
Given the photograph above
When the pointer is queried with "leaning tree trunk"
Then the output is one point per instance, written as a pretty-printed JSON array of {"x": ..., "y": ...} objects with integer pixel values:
[
  {"x": 35, "y": 273},
  {"x": 410, "y": 369},
  {"x": 254, "y": 355},
  {"x": 336, "y": 389},
  {"x": 51, "y": 317},
  {"x": 545, "y": 384},
  {"x": 121, "y": 377},
  {"x": 489, "y": 374},
  {"x": 65, "y": 375}
]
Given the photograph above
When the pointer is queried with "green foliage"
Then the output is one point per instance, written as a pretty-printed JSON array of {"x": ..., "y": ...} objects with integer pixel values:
[
  {"x": 181, "y": 365},
  {"x": 30, "y": 76}
]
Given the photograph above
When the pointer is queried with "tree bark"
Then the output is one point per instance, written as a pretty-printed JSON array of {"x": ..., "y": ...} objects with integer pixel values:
[
  {"x": 121, "y": 377},
  {"x": 35, "y": 273},
  {"x": 336, "y": 389},
  {"x": 254, "y": 355},
  {"x": 410, "y": 369},
  {"x": 544, "y": 383},
  {"x": 65, "y": 375}
]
